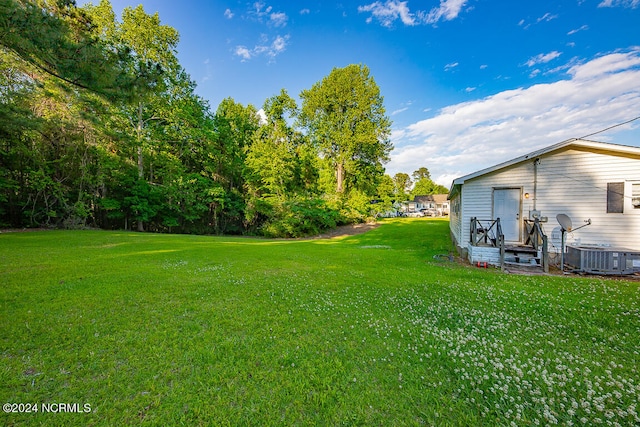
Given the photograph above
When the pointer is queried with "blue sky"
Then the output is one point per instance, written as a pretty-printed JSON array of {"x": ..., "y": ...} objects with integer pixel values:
[{"x": 467, "y": 83}]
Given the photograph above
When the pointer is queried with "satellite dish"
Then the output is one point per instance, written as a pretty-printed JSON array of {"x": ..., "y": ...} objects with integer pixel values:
[
  {"x": 566, "y": 225},
  {"x": 565, "y": 222}
]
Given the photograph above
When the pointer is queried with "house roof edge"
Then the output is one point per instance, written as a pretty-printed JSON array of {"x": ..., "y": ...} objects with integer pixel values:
[{"x": 532, "y": 155}]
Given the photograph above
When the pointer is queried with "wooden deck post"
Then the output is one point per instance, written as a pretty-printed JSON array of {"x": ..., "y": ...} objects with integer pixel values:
[
  {"x": 500, "y": 241},
  {"x": 474, "y": 232},
  {"x": 545, "y": 253}
]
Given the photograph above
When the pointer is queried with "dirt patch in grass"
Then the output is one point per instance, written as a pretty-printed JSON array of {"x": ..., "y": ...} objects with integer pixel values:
[{"x": 347, "y": 230}]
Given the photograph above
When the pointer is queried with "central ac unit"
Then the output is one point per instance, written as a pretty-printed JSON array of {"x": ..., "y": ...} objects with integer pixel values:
[{"x": 599, "y": 260}]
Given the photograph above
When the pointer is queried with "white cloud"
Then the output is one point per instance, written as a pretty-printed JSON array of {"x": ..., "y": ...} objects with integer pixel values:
[
  {"x": 279, "y": 45},
  {"x": 390, "y": 11},
  {"x": 262, "y": 116},
  {"x": 279, "y": 19},
  {"x": 400, "y": 110},
  {"x": 260, "y": 9},
  {"x": 583, "y": 28},
  {"x": 269, "y": 44},
  {"x": 208, "y": 73},
  {"x": 228, "y": 14},
  {"x": 262, "y": 13},
  {"x": 266, "y": 47},
  {"x": 448, "y": 10},
  {"x": 243, "y": 52},
  {"x": 467, "y": 137},
  {"x": 606, "y": 65},
  {"x": 543, "y": 58},
  {"x": 451, "y": 66},
  {"x": 622, "y": 3},
  {"x": 305, "y": 11},
  {"x": 546, "y": 18}
]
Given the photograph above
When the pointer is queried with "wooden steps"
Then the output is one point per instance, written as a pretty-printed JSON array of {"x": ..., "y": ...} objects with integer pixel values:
[{"x": 521, "y": 257}]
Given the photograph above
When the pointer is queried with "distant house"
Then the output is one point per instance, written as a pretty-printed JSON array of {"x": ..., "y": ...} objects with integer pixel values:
[
  {"x": 442, "y": 202},
  {"x": 585, "y": 180},
  {"x": 432, "y": 205}
]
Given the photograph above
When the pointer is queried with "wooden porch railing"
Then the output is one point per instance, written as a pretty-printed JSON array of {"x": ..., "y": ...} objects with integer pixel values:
[
  {"x": 483, "y": 232},
  {"x": 488, "y": 232},
  {"x": 538, "y": 240}
]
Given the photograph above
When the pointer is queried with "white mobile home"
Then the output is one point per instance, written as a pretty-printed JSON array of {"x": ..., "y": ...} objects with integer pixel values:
[{"x": 585, "y": 180}]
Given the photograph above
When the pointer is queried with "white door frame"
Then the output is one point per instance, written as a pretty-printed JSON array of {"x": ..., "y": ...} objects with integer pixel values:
[{"x": 505, "y": 222}]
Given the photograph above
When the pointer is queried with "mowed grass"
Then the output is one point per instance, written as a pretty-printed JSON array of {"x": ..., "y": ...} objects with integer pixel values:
[{"x": 373, "y": 329}]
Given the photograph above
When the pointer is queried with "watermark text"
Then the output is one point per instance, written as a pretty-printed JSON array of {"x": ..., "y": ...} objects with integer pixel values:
[{"x": 47, "y": 408}]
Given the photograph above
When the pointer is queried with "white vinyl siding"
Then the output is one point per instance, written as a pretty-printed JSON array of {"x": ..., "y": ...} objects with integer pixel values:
[
  {"x": 455, "y": 220},
  {"x": 573, "y": 182}
]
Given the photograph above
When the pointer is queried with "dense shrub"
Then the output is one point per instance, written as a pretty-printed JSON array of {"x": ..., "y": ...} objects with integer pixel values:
[
  {"x": 301, "y": 217},
  {"x": 355, "y": 207}
]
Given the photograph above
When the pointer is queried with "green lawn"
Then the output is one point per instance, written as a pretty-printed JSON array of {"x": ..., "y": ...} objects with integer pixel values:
[{"x": 151, "y": 329}]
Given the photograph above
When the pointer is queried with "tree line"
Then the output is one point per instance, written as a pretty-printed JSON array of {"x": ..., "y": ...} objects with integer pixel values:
[
  {"x": 100, "y": 126},
  {"x": 406, "y": 187}
]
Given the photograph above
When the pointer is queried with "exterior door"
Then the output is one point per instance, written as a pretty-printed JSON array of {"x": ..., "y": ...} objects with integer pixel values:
[{"x": 506, "y": 206}]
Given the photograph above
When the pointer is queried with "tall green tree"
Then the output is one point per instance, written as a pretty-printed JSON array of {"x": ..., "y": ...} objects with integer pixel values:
[
  {"x": 153, "y": 47},
  {"x": 421, "y": 173},
  {"x": 282, "y": 143},
  {"x": 402, "y": 184},
  {"x": 426, "y": 187},
  {"x": 272, "y": 157},
  {"x": 386, "y": 195},
  {"x": 17, "y": 121},
  {"x": 345, "y": 116},
  {"x": 55, "y": 38},
  {"x": 182, "y": 137},
  {"x": 234, "y": 125},
  {"x": 281, "y": 171},
  {"x": 54, "y": 74},
  {"x": 101, "y": 126}
]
